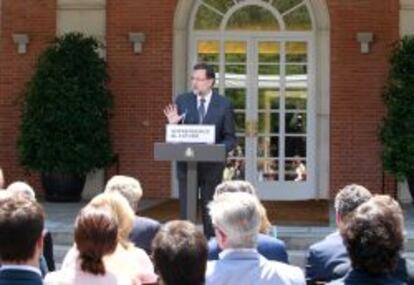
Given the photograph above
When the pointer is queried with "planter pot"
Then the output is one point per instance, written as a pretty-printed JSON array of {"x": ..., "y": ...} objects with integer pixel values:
[
  {"x": 410, "y": 182},
  {"x": 63, "y": 187}
]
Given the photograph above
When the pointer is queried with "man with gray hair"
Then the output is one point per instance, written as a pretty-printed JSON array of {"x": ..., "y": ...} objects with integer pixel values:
[
  {"x": 20, "y": 187},
  {"x": 144, "y": 228},
  {"x": 327, "y": 254},
  {"x": 236, "y": 222}
]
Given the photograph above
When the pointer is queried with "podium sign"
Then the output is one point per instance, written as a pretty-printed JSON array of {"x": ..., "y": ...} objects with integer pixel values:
[{"x": 190, "y": 134}]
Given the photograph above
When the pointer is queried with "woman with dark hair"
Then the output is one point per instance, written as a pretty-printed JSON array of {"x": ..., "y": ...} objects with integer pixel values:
[
  {"x": 374, "y": 237},
  {"x": 96, "y": 233}
]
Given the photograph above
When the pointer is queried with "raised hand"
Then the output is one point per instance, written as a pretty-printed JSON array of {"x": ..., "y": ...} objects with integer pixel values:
[{"x": 171, "y": 112}]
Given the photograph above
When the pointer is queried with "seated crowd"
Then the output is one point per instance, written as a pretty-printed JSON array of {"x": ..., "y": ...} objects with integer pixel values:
[{"x": 114, "y": 245}]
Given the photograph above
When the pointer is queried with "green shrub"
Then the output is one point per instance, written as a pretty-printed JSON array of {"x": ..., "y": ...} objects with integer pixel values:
[
  {"x": 65, "y": 111},
  {"x": 397, "y": 133}
]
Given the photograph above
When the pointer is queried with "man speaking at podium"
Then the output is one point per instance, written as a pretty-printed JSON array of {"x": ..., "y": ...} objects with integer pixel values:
[{"x": 203, "y": 106}]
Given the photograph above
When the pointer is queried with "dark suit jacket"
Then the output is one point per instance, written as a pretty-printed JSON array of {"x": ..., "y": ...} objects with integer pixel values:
[
  {"x": 403, "y": 272},
  {"x": 143, "y": 232},
  {"x": 219, "y": 113},
  {"x": 324, "y": 256},
  {"x": 356, "y": 277},
  {"x": 19, "y": 277},
  {"x": 267, "y": 246}
]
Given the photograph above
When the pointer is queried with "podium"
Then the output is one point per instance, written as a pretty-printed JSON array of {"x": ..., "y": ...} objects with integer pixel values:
[{"x": 191, "y": 153}]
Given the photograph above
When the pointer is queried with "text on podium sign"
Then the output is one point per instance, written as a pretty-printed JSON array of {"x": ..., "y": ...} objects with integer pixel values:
[{"x": 190, "y": 134}]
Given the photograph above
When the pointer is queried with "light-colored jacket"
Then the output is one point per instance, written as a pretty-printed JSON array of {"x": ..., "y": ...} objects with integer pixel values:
[
  {"x": 248, "y": 267},
  {"x": 76, "y": 276}
]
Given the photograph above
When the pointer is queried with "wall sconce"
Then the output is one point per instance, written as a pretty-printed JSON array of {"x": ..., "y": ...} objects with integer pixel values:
[
  {"x": 21, "y": 40},
  {"x": 365, "y": 38},
  {"x": 137, "y": 39}
]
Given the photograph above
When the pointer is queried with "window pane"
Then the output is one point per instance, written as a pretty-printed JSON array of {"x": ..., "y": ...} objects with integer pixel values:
[
  {"x": 296, "y": 69},
  {"x": 206, "y": 19},
  {"x": 298, "y": 20},
  {"x": 235, "y": 52},
  {"x": 267, "y": 170},
  {"x": 235, "y": 76},
  {"x": 269, "y": 99},
  {"x": 235, "y": 69},
  {"x": 237, "y": 97},
  {"x": 252, "y": 18},
  {"x": 269, "y": 52},
  {"x": 284, "y": 5},
  {"x": 295, "y": 170},
  {"x": 208, "y": 51},
  {"x": 268, "y": 123},
  {"x": 295, "y": 146},
  {"x": 240, "y": 119},
  {"x": 269, "y": 70},
  {"x": 295, "y": 123},
  {"x": 221, "y": 5},
  {"x": 267, "y": 147},
  {"x": 296, "y": 52},
  {"x": 295, "y": 98}
]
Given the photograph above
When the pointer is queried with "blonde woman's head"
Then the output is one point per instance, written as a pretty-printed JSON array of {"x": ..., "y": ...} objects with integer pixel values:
[{"x": 122, "y": 211}]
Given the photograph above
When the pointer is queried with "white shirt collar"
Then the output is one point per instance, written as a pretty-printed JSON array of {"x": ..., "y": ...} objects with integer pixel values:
[
  {"x": 21, "y": 267},
  {"x": 227, "y": 251}
]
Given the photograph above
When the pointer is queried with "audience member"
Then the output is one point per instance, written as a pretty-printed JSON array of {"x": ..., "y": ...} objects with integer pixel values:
[
  {"x": 268, "y": 246},
  {"x": 324, "y": 256},
  {"x": 96, "y": 235},
  {"x": 21, "y": 240},
  {"x": 180, "y": 254},
  {"x": 144, "y": 229},
  {"x": 236, "y": 221},
  {"x": 128, "y": 261},
  {"x": 373, "y": 236}
]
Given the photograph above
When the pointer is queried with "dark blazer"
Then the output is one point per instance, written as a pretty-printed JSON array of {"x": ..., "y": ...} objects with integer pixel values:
[
  {"x": 404, "y": 271},
  {"x": 356, "y": 277},
  {"x": 324, "y": 256},
  {"x": 143, "y": 232},
  {"x": 19, "y": 277},
  {"x": 219, "y": 113},
  {"x": 269, "y": 247}
]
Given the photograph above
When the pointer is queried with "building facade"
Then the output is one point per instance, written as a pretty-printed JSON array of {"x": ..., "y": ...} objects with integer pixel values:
[{"x": 305, "y": 78}]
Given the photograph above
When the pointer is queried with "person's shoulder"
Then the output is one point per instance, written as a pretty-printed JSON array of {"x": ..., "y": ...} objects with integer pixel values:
[
  {"x": 284, "y": 271},
  {"x": 269, "y": 240},
  {"x": 146, "y": 222},
  {"x": 211, "y": 267},
  {"x": 330, "y": 241},
  {"x": 184, "y": 96}
]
